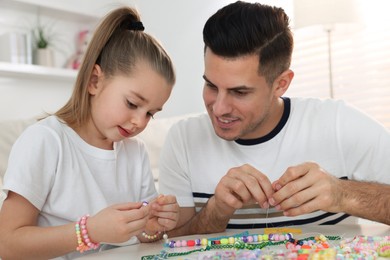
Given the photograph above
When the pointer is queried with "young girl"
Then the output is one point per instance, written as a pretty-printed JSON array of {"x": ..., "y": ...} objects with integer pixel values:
[{"x": 82, "y": 160}]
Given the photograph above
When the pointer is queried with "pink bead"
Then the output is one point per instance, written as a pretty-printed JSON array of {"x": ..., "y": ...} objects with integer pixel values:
[
  {"x": 183, "y": 243},
  {"x": 250, "y": 239},
  {"x": 276, "y": 237},
  {"x": 178, "y": 243},
  {"x": 290, "y": 245}
]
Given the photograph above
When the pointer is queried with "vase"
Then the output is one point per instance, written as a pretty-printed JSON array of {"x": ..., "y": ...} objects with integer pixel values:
[{"x": 44, "y": 57}]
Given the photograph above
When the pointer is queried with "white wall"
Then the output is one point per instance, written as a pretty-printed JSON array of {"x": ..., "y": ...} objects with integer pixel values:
[{"x": 177, "y": 24}]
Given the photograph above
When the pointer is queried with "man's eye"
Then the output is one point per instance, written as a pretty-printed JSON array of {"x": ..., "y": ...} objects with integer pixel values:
[
  {"x": 240, "y": 93},
  {"x": 211, "y": 86}
]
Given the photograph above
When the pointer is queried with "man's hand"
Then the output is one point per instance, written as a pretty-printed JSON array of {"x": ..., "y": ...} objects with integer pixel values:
[
  {"x": 242, "y": 185},
  {"x": 306, "y": 188}
]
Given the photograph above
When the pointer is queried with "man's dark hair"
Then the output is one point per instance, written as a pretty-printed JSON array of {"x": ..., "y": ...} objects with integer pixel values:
[{"x": 241, "y": 28}]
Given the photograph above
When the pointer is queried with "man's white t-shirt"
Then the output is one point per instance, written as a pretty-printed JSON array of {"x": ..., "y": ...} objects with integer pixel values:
[{"x": 341, "y": 139}]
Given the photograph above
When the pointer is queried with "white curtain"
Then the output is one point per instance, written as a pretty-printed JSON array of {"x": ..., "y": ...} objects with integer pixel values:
[{"x": 360, "y": 59}]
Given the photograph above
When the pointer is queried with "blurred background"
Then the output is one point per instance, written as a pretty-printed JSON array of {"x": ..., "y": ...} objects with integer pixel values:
[{"x": 342, "y": 50}]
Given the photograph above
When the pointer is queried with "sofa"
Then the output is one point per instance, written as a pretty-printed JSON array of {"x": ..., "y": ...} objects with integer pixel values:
[{"x": 153, "y": 136}]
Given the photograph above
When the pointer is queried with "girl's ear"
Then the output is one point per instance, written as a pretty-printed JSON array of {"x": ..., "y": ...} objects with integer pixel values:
[
  {"x": 96, "y": 76},
  {"x": 282, "y": 82}
]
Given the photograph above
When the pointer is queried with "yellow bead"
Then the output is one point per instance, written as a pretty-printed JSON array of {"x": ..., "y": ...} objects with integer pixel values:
[
  {"x": 203, "y": 242},
  {"x": 322, "y": 237},
  {"x": 224, "y": 241}
]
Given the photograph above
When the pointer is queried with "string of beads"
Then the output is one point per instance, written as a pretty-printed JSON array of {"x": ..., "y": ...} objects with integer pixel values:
[{"x": 236, "y": 242}]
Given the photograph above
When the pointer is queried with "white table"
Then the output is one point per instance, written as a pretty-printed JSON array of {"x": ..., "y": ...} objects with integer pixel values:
[{"x": 143, "y": 249}]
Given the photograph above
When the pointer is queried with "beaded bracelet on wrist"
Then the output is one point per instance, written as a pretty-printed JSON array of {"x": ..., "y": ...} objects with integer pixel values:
[
  {"x": 84, "y": 232},
  {"x": 81, "y": 246},
  {"x": 83, "y": 241}
]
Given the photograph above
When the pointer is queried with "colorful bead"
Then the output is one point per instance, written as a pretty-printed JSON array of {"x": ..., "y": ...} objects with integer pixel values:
[
  {"x": 177, "y": 243},
  {"x": 165, "y": 237},
  {"x": 255, "y": 239},
  {"x": 384, "y": 249}
]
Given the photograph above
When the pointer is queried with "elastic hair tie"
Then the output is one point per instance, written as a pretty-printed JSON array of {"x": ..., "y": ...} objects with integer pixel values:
[{"x": 136, "y": 26}]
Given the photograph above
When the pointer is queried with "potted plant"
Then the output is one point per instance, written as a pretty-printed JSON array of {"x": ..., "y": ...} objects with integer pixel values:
[{"x": 42, "y": 40}]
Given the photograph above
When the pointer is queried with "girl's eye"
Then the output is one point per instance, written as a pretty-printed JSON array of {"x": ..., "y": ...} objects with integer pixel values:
[{"x": 131, "y": 105}]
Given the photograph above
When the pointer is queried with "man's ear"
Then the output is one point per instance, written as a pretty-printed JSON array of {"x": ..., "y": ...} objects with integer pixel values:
[
  {"x": 96, "y": 76},
  {"x": 282, "y": 82}
]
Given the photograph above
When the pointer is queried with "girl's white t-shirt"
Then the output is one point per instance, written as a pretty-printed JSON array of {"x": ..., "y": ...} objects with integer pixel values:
[{"x": 65, "y": 178}]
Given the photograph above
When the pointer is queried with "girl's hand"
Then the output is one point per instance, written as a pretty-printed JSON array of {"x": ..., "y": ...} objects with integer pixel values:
[{"x": 118, "y": 223}]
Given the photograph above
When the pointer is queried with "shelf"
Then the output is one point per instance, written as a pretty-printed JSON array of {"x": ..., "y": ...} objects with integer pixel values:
[
  {"x": 55, "y": 9},
  {"x": 34, "y": 71}
]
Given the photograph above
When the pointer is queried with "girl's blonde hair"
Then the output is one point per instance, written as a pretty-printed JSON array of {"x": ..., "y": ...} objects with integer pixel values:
[{"x": 116, "y": 46}]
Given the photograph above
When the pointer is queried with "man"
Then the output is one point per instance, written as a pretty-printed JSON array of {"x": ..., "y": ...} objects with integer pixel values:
[{"x": 259, "y": 159}]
